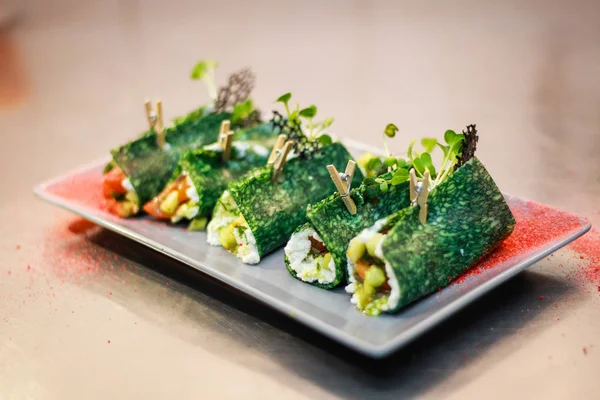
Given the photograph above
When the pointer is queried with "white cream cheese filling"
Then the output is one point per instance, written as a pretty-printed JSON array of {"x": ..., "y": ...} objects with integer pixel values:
[
  {"x": 225, "y": 213},
  {"x": 246, "y": 250},
  {"x": 126, "y": 183},
  {"x": 303, "y": 262}
]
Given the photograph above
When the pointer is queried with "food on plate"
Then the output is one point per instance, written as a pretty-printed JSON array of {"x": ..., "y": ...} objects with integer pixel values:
[
  {"x": 421, "y": 249},
  {"x": 203, "y": 174},
  {"x": 257, "y": 214},
  {"x": 140, "y": 169},
  {"x": 316, "y": 251}
]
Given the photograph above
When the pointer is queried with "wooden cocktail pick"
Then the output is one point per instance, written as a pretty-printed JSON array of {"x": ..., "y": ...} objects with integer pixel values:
[
  {"x": 150, "y": 114},
  {"x": 413, "y": 187},
  {"x": 225, "y": 140},
  {"x": 276, "y": 150},
  {"x": 343, "y": 183},
  {"x": 422, "y": 198},
  {"x": 419, "y": 193},
  {"x": 281, "y": 159},
  {"x": 155, "y": 120}
]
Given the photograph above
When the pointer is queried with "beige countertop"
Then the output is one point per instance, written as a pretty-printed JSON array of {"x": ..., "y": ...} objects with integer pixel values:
[{"x": 87, "y": 314}]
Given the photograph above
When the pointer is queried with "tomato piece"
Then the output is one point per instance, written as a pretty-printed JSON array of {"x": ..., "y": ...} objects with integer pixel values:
[
  {"x": 317, "y": 245},
  {"x": 112, "y": 183},
  {"x": 153, "y": 208},
  {"x": 122, "y": 209},
  {"x": 361, "y": 268},
  {"x": 182, "y": 187}
]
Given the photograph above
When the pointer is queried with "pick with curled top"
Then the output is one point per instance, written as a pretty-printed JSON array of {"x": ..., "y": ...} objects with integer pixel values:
[{"x": 343, "y": 183}]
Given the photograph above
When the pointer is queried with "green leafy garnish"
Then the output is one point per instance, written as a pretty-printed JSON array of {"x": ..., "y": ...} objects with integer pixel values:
[
  {"x": 292, "y": 126},
  {"x": 205, "y": 71},
  {"x": 382, "y": 172},
  {"x": 242, "y": 112},
  {"x": 309, "y": 112},
  {"x": 324, "y": 139},
  {"x": 390, "y": 130},
  {"x": 285, "y": 99}
]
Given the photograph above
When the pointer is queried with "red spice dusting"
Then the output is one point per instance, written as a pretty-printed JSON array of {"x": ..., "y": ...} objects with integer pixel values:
[
  {"x": 109, "y": 342},
  {"x": 84, "y": 188},
  {"x": 584, "y": 351},
  {"x": 541, "y": 297},
  {"x": 588, "y": 246},
  {"x": 110, "y": 293},
  {"x": 18, "y": 247},
  {"x": 537, "y": 225}
]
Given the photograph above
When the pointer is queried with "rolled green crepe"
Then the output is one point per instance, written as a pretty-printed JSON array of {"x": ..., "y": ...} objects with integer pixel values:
[
  {"x": 256, "y": 216},
  {"x": 149, "y": 167},
  {"x": 201, "y": 176},
  {"x": 399, "y": 260},
  {"x": 316, "y": 252}
]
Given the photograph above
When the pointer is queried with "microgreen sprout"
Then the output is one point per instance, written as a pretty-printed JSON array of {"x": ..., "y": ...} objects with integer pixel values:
[
  {"x": 296, "y": 119},
  {"x": 205, "y": 71},
  {"x": 245, "y": 114}
]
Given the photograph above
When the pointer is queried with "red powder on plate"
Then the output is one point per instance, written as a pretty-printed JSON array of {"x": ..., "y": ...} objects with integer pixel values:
[
  {"x": 84, "y": 188},
  {"x": 588, "y": 246},
  {"x": 537, "y": 225}
]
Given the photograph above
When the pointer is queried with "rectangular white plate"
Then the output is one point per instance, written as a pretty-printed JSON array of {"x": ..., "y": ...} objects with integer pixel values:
[{"x": 328, "y": 312}]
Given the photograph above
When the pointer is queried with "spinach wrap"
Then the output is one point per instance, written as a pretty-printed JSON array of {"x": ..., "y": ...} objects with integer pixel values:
[
  {"x": 256, "y": 216},
  {"x": 399, "y": 259},
  {"x": 141, "y": 168},
  {"x": 202, "y": 175},
  {"x": 316, "y": 252}
]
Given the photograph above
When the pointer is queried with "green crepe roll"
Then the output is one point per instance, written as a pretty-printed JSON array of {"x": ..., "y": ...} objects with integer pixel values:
[
  {"x": 316, "y": 252},
  {"x": 142, "y": 168},
  {"x": 184, "y": 119},
  {"x": 256, "y": 216},
  {"x": 202, "y": 175},
  {"x": 399, "y": 259}
]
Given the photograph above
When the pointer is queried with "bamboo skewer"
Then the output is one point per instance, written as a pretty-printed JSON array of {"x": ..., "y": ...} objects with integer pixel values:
[
  {"x": 150, "y": 114},
  {"x": 225, "y": 140},
  {"x": 343, "y": 183},
  {"x": 281, "y": 160},
  {"x": 155, "y": 121},
  {"x": 413, "y": 187},
  {"x": 420, "y": 193},
  {"x": 422, "y": 199},
  {"x": 160, "y": 127},
  {"x": 276, "y": 149}
]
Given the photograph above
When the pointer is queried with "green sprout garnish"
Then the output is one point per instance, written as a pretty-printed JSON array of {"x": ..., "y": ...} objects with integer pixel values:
[
  {"x": 242, "y": 111},
  {"x": 315, "y": 137},
  {"x": 383, "y": 172},
  {"x": 205, "y": 71}
]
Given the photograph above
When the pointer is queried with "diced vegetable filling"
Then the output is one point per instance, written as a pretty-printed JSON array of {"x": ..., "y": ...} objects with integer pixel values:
[
  {"x": 368, "y": 275},
  {"x": 308, "y": 256},
  {"x": 229, "y": 229},
  {"x": 179, "y": 200},
  {"x": 121, "y": 198}
]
